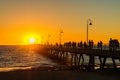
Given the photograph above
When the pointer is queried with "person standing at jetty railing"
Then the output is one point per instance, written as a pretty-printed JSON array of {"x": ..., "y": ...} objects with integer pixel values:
[
  {"x": 85, "y": 45},
  {"x": 56, "y": 44},
  {"x": 73, "y": 44},
  {"x": 80, "y": 45},
  {"x": 99, "y": 45},
  {"x": 113, "y": 44},
  {"x": 91, "y": 44},
  {"x": 68, "y": 44}
]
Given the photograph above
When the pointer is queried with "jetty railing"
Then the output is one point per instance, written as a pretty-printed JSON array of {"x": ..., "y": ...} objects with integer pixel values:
[{"x": 77, "y": 58}]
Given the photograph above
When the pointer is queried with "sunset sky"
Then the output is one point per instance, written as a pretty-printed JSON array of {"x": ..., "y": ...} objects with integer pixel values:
[{"x": 21, "y": 18}]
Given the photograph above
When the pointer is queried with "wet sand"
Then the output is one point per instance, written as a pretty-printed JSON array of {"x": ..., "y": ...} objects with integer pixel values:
[{"x": 56, "y": 74}]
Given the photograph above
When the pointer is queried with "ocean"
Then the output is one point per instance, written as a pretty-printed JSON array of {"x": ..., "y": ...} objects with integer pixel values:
[{"x": 21, "y": 57}]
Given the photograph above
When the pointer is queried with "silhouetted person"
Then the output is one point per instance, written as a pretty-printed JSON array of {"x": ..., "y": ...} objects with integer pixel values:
[
  {"x": 69, "y": 44},
  {"x": 113, "y": 44},
  {"x": 110, "y": 44},
  {"x": 57, "y": 44},
  {"x": 91, "y": 44},
  {"x": 100, "y": 44},
  {"x": 73, "y": 44},
  {"x": 85, "y": 45},
  {"x": 65, "y": 44},
  {"x": 80, "y": 44}
]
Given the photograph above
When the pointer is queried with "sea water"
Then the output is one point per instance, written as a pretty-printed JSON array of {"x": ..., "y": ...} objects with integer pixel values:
[{"x": 19, "y": 57}]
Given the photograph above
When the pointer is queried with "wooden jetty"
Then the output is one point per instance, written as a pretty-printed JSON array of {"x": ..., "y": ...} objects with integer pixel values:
[{"x": 78, "y": 58}]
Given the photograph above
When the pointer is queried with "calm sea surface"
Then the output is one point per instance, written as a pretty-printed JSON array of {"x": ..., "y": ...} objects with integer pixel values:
[{"x": 20, "y": 57}]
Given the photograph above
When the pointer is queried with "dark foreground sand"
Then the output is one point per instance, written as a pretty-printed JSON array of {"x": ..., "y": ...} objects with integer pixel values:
[{"x": 38, "y": 74}]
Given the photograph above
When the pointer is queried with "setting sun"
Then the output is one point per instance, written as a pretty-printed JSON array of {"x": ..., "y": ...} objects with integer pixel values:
[{"x": 31, "y": 39}]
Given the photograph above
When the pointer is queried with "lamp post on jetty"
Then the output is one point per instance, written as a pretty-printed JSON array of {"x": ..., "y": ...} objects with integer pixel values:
[
  {"x": 89, "y": 22},
  {"x": 61, "y": 31}
]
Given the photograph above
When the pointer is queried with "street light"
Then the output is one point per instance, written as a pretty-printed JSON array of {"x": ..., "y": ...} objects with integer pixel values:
[
  {"x": 61, "y": 31},
  {"x": 89, "y": 22}
]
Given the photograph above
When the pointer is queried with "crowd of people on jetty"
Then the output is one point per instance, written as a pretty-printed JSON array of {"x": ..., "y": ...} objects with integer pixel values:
[{"x": 113, "y": 44}]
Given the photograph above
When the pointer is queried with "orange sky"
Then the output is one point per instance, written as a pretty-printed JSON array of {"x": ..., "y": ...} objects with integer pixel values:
[{"x": 19, "y": 18}]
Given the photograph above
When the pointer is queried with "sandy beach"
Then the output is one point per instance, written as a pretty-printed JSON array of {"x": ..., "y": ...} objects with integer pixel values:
[{"x": 50, "y": 74}]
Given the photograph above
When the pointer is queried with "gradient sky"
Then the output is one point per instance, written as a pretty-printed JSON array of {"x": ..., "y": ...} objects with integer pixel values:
[{"x": 19, "y": 18}]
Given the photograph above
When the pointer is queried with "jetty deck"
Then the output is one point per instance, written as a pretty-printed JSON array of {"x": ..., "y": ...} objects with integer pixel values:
[{"x": 78, "y": 59}]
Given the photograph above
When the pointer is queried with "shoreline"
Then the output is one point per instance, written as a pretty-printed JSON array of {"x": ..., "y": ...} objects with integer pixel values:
[
  {"x": 42, "y": 68},
  {"x": 54, "y": 73}
]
